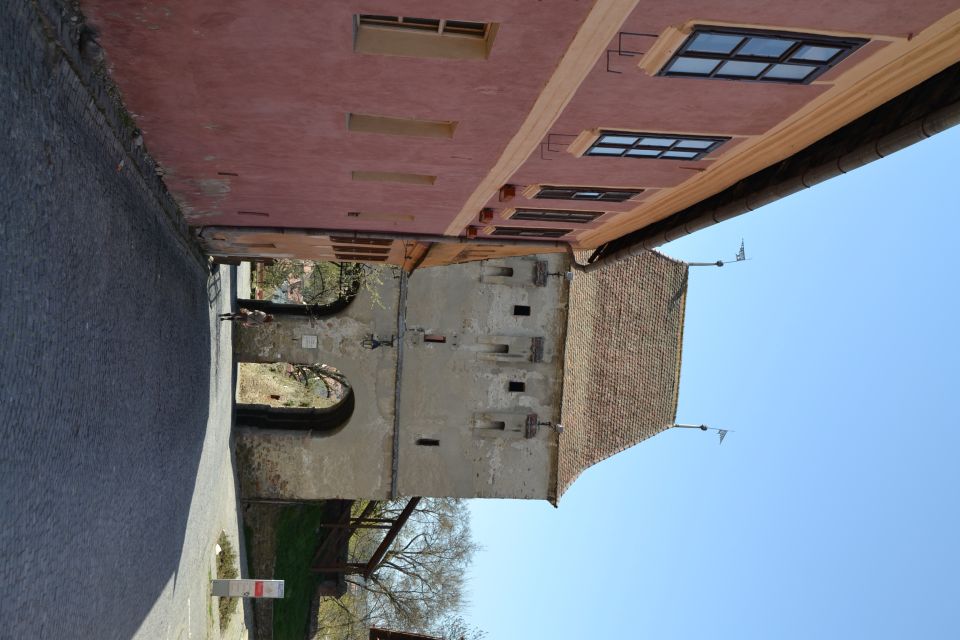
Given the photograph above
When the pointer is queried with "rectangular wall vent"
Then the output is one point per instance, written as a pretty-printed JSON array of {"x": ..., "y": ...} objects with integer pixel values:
[
  {"x": 589, "y": 194},
  {"x": 392, "y": 217},
  {"x": 556, "y": 215},
  {"x": 347, "y": 240},
  {"x": 423, "y": 37},
  {"x": 391, "y": 176},
  {"x": 390, "y": 126}
]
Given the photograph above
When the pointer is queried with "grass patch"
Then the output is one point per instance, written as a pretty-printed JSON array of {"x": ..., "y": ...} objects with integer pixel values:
[
  {"x": 227, "y": 569},
  {"x": 296, "y": 537}
]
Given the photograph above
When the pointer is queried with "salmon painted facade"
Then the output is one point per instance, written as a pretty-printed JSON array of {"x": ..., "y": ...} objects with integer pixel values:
[{"x": 425, "y": 133}]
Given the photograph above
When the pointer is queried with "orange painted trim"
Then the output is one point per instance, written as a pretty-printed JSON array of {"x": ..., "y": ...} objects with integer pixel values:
[
  {"x": 890, "y": 71},
  {"x": 598, "y": 29}
]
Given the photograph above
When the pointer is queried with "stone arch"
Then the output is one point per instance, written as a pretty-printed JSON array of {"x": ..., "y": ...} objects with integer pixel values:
[
  {"x": 318, "y": 420},
  {"x": 325, "y": 421}
]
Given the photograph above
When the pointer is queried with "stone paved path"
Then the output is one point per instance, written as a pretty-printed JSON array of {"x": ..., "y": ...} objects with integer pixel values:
[{"x": 115, "y": 379}]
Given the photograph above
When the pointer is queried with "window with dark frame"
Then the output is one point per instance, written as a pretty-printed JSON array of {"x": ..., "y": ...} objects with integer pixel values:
[
  {"x": 556, "y": 215},
  {"x": 441, "y": 27},
  {"x": 658, "y": 146},
  {"x": 590, "y": 194},
  {"x": 530, "y": 232},
  {"x": 758, "y": 55}
]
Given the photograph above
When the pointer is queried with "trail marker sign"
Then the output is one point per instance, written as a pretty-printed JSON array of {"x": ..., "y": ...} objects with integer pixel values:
[{"x": 248, "y": 588}]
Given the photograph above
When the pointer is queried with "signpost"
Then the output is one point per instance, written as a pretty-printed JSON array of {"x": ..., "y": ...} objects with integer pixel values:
[{"x": 248, "y": 588}]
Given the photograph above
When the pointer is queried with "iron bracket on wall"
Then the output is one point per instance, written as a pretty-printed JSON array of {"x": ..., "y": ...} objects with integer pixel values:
[{"x": 625, "y": 53}]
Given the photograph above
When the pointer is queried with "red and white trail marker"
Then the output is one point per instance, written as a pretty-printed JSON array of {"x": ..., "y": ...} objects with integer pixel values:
[{"x": 247, "y": 588}]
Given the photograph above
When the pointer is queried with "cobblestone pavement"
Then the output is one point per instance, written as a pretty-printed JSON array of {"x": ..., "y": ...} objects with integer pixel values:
[{"x": 115, "y": 378}]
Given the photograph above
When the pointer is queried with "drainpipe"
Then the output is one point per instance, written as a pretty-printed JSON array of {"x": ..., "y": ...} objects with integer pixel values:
[
  {"x": 400, "y": 340},
  {"x": 916, "y": 131}
]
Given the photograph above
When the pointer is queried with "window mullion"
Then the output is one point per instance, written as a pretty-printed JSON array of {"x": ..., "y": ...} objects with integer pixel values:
[
  {"x": 735, "y": 53},
  {"x": 789, "y": 52}
]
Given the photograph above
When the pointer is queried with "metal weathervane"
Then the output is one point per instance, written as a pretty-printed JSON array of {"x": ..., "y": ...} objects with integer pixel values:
[
  {"x": 740, "y": 257},
  {"x": 702, "y": 427}
]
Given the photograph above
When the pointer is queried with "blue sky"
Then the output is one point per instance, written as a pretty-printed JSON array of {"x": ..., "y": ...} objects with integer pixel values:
[{"x": 831, "y": 511}]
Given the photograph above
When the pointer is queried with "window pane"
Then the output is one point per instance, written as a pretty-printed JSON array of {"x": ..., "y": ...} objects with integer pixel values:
[
  {"x": 587, "y": 195},
  {"x": 554, "y": 193},
  {"x": 617, "y": 196},
  {"x": 605, "y": 151},
  {"x": 461, "y": 25},
  {"x": 657, "y": 142},
  {"x": 714, "y": 43},
  {"x": 680, "y": 155},
  {"x": 789, "y": 71},
  {"x": 699, "y": 66},
  {"x": 740, "y": 69},
  {"x": 644, "y": 153},
  {"x": 695, "y": 144},
  {"x": 815, "y": 54},
  {"x": 765, "y": 47},
  {"x": 615, "y": 139}
]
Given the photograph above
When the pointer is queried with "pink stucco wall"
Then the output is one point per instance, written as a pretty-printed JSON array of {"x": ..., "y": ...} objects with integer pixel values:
[
  {"x": 633, "y": 100},
  {"x": 262, "y": 88}
]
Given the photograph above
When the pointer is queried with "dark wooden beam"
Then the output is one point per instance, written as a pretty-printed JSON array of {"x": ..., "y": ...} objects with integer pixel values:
[{"x": 390, "y": 537}]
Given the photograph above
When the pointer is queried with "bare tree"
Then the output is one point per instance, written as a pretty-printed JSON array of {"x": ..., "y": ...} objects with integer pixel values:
[{"x": 419, "y": 585}]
